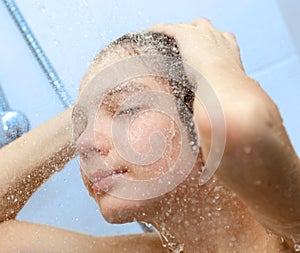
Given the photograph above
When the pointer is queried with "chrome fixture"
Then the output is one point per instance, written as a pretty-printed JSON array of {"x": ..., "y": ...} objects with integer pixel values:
[
  {"x": 12, "y": 123},
  {"x": 38, "y": 53}
]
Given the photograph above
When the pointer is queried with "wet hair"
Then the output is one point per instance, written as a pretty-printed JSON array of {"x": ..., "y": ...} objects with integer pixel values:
[{"x": 150, "y": 43}]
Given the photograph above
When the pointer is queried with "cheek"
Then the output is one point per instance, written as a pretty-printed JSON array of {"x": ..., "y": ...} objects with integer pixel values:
[{"x": 154, "y": 125}]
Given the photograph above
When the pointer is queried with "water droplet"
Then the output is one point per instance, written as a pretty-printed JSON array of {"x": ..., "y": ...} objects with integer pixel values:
[
  {"x": 148, "y": 225},
  {"x": 41, "y": 7},
  {"x": 281, "y": 240},
  {"x": 247, "y": 149},
  {"x": 186, "y": 223},
  {"x": 56, "y": 42},
  {"x": 257, "y": 182},
  {"x": 194, "y": 147},
  {"x": 116, "y": 175},
  {"x": 202, "y": 181},
  {"x": 269, "y": 232}
]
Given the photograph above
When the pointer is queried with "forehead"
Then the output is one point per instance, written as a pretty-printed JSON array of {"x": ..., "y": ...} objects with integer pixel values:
[
  {"x": 114, "y": 54},
  {"x": 140, "y": 83},
  {"x": 105, "y": 58},
  {"x": 135, "y": 86}
]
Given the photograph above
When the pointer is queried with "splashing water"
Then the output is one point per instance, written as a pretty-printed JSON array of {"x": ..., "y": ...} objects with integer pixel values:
[
  {"x": 41, "y": 6},
  {"x": 170, "y": 242},
  {"x": 247, "y": 149},
  {"x": 297, "y": 247}
]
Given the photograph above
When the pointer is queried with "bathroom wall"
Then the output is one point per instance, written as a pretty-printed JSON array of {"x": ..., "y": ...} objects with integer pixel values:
[{"x": 72, "y": 32}]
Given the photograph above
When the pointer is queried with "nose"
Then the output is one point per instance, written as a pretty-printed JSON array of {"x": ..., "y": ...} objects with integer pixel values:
[
  {"x": 92, "y": 143},
  {"x": 103, "y": 143}
]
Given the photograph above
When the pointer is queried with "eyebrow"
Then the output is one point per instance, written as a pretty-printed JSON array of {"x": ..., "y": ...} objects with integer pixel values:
[{"x": 129, "y": 88}]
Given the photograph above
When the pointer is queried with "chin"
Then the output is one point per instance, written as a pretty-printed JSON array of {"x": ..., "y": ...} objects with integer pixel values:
[{"x": 116, "y": 210}]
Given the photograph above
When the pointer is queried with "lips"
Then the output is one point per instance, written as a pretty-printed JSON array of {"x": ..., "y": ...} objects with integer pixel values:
[{"x": 101, "y": 180}]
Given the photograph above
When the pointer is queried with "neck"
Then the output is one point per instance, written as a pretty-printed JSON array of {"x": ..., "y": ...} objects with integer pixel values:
[{"x": 212, "y": 220}]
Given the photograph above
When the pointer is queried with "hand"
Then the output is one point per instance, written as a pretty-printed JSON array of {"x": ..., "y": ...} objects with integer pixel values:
[
  {"x": 215, "y": 55},
  {"x": 259, "y": 163},
  {"x": 203, "y": 46}
]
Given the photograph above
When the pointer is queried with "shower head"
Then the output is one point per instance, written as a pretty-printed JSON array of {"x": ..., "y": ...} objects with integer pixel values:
[
  {"x": 39, "y": 53},
  {"x": 12, "y": 123}
]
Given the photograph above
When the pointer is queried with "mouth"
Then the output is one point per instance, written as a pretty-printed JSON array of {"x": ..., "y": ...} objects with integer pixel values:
[{"x": 101, "y": 180}]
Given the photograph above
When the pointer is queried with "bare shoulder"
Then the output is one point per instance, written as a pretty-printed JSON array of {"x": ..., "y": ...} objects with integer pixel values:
[{"x": 19, "y": 236}]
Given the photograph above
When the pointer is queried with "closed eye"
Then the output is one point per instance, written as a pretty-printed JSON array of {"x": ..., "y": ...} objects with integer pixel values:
[{"x": 129, "y": 111}]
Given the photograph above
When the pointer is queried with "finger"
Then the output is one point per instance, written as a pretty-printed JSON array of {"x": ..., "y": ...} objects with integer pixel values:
[
  {"x": 230, "y": 37},
  {"x": 160, "y": 27},
  {"x": 203, "y": 23},
  {"x": 167, "y": 29},
  {"x": 233, "y": 42}
]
